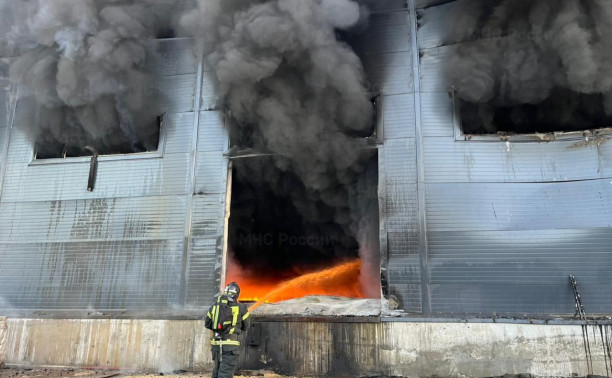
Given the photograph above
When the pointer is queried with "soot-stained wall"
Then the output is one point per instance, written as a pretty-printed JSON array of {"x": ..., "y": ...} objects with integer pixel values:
[{"x": 465, "y": 226}]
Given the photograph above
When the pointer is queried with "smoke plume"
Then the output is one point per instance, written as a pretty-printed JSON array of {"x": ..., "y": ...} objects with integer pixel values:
[
  {"x": 297, "y": 92},
  {"x": 81, "y": 67},
  {"x": 524, "y": 62}
]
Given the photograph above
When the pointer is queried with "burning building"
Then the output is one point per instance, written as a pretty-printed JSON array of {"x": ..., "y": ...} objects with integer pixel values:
[{"x": 446, "y": 160}]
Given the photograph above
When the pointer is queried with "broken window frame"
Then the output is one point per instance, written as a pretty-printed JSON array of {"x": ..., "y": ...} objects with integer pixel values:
[
  {"x": 159, "y": 153},
  {"x": 583, "y": 135}
]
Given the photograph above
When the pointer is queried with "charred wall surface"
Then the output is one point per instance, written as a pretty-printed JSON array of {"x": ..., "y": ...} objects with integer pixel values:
[{"x": 148, "y": 238}]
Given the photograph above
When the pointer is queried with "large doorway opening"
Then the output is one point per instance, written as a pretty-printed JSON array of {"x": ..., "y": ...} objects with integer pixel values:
[{"x": 287, "y": 241}]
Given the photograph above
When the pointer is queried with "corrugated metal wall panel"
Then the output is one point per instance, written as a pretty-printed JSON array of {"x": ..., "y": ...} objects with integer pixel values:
[
  {"x": 5, "y": 103},
  {"x": 398, "y": 114},
  {"x": 437, "y": 114},
  {"x": 210, "y": 173},
  {"x": 176, "y": 93},
  {"x": 3, "y": 137},
  {"x": 4, "y": 121},
  {"x": 209, "y": 97},
  {"x": 120, "y": 253},
  {"x": 449, "y": 161},
  {"x": 388, "y": 61},
  {"x": 121, "y": 178},
  {"x": 172, "y": 57},
  {"x": 100, "y": 275},
  {"x": 382, "y": 6},
  {"x": 580, "y": 204},
  {"x": 401, "y": 205},
  {"x": 434, "y": 27},
  {"x": 212, "y": 131},
  {"x": 208, "y": 217},
  {"x": 429, "y": 3},
  {"x": 21, "y": 149},
  {"x": 433, "y": 77},
  {"x": 405, "y": 282},
  {"x": 507, "y": 223},
  {"x": 389, "y": 72},
  {"x": 178, "y": 130},
  {"x": 520, "y": 271},
  {"x": 386, "y": 33},
  {"x": 99, "y": 219},
  {"x": 204, "y": 265},
  {"x": 121, "y": 246}
]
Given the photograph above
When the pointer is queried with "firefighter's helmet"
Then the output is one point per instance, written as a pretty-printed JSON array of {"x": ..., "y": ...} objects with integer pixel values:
[{"x": 232, "y": 290}]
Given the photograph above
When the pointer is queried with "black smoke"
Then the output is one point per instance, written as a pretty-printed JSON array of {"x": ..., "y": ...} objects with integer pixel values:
[
  {"x": 298, "y": 93},
  {"x": 81, "y": 66},
  {"x": 530, "y": 65}
]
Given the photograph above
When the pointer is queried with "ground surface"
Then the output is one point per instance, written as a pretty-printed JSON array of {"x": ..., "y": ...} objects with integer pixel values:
[{"x": 53, "y": 373}]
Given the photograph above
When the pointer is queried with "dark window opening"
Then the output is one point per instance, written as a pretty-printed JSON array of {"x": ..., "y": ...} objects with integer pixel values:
[
  {"x": 280, "y": 230},
  {"x": 115, "y": 143},
  {"x": 562, "y": 111}
]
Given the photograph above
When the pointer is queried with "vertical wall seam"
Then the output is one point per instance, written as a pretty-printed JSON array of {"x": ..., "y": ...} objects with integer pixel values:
[
  {"x": 423, "y": 245},
  {"x": 14, "y": 94},
  {"x": 192, "y": 178}
]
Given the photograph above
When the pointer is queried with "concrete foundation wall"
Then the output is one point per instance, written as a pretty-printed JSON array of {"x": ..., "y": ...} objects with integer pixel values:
[
  {"x": 318, "y": 348},
  {"x": 158, "y": 345},
  {"x": 3, "y": 329}
]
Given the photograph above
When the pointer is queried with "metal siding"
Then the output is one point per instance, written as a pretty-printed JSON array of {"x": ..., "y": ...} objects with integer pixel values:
[
  {"x": 131, "y": 177},
  {"x": 172, "y": 57},
  {"x": 119, "y": 247},
  {"x": 66, "y": 181},
  {"x": 206, "y": 248},
  {"x": 389, "y": 72},
  {"x": 212, "y": 131},
  {"x": 209, "y": 97},
  {"x": 430, "y": 3},
  {"x": 507, "y": 223},
  {"x": 433, "y": 25},
  {"x": 97, "y": 219},
  {"x": 522, "y": 271},
  {"x": 5, "y": 102},
  {"x": 178, "y": 130},
  {"x": 208, "y": 216},
  {"x": 120, "y": 253},
  {"x": 177, "y": 93},
  {"x": 450, "y": 161},
  {"x": 437, "y": 114},
  {"x": 397, "y": 160},
  {"x": 386, "y": 33},
  {"x": 388, "y": 61},
  {"x": 383, "y": 6},
  {"x": 521, "y": 206},
  {"x": 433, "y": 78},
  {"x": 405, "y": 282},
  {"x": 399, "y": 118}
]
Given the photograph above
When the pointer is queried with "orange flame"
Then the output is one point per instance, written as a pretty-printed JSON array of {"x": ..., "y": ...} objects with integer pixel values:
[{"x": 342, "y": 280}]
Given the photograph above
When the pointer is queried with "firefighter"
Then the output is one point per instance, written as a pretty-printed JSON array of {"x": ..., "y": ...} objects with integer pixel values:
[{"x": 227, "y": 318}]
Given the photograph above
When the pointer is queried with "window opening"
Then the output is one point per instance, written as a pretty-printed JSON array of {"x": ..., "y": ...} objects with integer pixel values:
[{"x": 116, "y": 144}]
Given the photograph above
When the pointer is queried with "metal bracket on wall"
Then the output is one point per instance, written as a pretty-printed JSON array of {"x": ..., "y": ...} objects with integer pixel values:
[{"x": 93, "y": 168}]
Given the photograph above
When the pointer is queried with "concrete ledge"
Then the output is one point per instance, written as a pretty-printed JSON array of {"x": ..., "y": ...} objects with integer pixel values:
[
  {"x": 429, "y": 349},
  {"x": 3, "y": 331},
  {"x": 159, "y": 345},
  {"x": 317, "y": 348}
]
